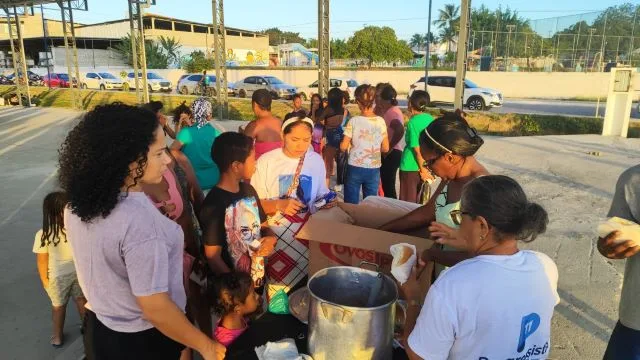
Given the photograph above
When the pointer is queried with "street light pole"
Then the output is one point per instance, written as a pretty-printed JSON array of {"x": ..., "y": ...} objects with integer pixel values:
[
  {"x": 461, "y": 61},
  {"x": 426, "y": 49},
  {"x": 586, "y": 61}
]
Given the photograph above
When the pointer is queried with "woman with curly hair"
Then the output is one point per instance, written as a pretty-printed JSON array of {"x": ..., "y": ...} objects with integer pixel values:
[
  {"x": 128, "y": 255},
  {"x": 182, "y": 117}
]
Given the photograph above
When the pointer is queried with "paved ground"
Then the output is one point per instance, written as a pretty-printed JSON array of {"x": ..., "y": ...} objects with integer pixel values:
[
  {"x": 552, "y": 107},
  {"x": 574, "y": 187}
]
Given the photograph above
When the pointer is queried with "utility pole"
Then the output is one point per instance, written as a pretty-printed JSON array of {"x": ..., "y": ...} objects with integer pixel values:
[
  {"x": 463, "y": 44},
  {"x": 510, "y": 28},
  {"x": 426, "y": 49},
  {"x": 45, "y": 48},
  {"x": 324, "y": 47},
  {"x": 586, "y": 62}
]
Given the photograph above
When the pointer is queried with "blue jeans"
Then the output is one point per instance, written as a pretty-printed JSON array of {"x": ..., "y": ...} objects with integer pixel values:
[
  {"x": 357, "y": 177},
  {"x": 624, "y": 344}
]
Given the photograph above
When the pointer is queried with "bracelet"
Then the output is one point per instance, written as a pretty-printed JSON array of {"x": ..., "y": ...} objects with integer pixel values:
[{"x": 414, "y": 303}]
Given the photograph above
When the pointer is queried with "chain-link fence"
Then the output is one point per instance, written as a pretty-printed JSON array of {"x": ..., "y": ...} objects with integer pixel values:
[{"x": 587, "y": 42}]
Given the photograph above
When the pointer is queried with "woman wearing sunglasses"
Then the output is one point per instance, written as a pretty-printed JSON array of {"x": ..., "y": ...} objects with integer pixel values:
[
  {"x": 448, "y": 146},
  {"x": 498, "y": 304}
]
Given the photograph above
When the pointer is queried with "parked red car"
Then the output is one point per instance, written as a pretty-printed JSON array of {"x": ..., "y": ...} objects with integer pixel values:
[{"x": 56, "y": 80}]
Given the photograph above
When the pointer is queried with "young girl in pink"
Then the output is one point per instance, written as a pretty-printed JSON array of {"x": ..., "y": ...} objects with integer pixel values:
[{"x": 235, "y": 299}]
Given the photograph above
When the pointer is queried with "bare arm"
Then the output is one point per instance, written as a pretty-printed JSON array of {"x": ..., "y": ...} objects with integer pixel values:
[
  {"x": 420, "y": 217},
  {"x": 42, "y": 260},
  {"x": 176, "y": 145},
  {"x": 250, "y": 129},
  {"x": 384, "y": 147},
  {"x": 169, "y": 131},
  {"x": 163, "y": 313},
  {"x": 196, "y": 196},
  {"x": 214, "y": 259},
  {"x": 344, "y": 145},
  {"x": 413, "y": 311},
  {"x": 396, "y": 133}
]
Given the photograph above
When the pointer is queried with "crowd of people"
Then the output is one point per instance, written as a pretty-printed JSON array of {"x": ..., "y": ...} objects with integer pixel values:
[{"x": 150, "y": 240}]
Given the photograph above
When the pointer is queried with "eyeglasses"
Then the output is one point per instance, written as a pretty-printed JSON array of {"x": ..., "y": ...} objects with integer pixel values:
[
  {"x": 429, "y": 163},
  {"x": 456, "y": 216}
]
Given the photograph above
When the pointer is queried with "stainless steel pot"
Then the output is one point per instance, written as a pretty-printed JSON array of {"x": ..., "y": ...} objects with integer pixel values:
[{"x": 351, "y": 314}]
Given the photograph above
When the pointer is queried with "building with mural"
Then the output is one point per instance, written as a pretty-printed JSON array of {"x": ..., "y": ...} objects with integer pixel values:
[{"x": 95, "y": 41}]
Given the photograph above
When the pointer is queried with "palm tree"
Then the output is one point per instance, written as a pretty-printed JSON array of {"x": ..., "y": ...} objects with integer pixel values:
[
  {"x": 448, "y": 21},
  {"x": 171, "y": 47},
  {"x": 417, "y": 41}
]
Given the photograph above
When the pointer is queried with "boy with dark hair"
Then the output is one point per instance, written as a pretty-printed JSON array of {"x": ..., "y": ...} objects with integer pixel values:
[
  {"x": 232, "y": 218},
  {"x": 297, "y": 108}
]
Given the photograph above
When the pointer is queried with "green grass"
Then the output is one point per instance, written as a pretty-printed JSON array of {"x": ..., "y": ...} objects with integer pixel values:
[{"x": 240, "y": 109}]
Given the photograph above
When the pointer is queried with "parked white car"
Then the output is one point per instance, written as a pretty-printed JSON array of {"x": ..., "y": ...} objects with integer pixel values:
[
  {"x": 275, "y": 86},
  {"x": 441, "y": 89},
  {"x": 101, "y": 81},
  {"x": 344, "y": 84},
  {"x": 155, "y": 82},
  {"x": 189, "y": 85}
]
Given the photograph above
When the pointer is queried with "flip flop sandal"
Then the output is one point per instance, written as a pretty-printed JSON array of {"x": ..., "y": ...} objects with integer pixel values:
[{"x": 57, "y": 346}]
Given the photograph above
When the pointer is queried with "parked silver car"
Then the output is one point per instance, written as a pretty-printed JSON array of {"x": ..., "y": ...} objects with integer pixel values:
[
  {"x": 275, "y": 86},
  {"x": 155, "y": 82},
  {"x": 190, "y": 84}
]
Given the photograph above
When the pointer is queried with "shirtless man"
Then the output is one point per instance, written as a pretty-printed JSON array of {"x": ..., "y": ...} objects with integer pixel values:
[{"x": 266, "y": 129}]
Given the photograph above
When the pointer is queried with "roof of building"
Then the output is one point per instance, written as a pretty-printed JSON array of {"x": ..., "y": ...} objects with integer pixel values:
[{"x": 167, "y": 18}]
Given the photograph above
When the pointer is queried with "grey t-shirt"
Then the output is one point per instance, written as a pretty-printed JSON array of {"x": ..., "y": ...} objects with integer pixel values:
[
  {"x": 135, "y": 251},
  {"x": 626, "y": 205}
]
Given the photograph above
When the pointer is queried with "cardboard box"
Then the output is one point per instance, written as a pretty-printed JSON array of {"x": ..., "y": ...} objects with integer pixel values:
[{"x": 345, "y": 243}]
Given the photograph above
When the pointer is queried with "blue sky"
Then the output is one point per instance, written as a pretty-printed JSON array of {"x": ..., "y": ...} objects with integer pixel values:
[{"x": 405, "y": 16}]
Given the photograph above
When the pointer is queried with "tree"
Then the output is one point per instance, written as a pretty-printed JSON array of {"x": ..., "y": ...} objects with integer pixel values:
[
  {"x": 171, "y": 47},
  {"x": 377, "y": 44},
  {"x": 339, "y": 49},
  {"x": 448, "y": 22},
  {"x": 277, "y": 36},
  {"x": 311, "y": 43},
  {"x": 448, "y": 35},
  {"x": 417, "y": 41},
  {"x": 198, "y": 62},
  {"x": 420, "y": 41},
  {"x": 156, "y": 58}
]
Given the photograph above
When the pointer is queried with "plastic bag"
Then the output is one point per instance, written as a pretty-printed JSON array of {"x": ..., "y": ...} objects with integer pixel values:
[{"x": 279, "y": 303}]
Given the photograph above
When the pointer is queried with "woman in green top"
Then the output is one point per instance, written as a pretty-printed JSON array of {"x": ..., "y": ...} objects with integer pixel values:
[
  {"x": 412, "y": 170},
  {"x": 196, "y": 141}
]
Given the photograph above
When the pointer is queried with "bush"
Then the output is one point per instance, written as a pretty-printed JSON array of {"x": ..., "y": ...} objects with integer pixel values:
[{"x": 240, "y": 109}]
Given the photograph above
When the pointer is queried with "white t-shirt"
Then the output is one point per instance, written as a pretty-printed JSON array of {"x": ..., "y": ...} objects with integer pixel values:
[
  {"x": 366, "y": 135},
  {"x": 275, "y": 171},
  {"x": 489, "y": 307},
  {"x": 60, "y": 255}
]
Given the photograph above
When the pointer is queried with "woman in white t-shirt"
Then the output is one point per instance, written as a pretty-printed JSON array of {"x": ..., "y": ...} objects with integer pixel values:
[
  {"x": 365, "y": 137},
  {"x": 498, "y": 304},
  {"x": 55, "y": 263},
  {"x": 288, "y": 181}
]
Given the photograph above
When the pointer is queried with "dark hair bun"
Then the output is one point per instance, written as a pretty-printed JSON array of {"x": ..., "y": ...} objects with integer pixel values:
[{"x": 534, "y": 222}]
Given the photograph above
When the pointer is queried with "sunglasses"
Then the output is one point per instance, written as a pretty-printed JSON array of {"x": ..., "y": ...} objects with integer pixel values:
[
  {"x": 429, "y": 163},
  {"x": 456, "y": 216}
]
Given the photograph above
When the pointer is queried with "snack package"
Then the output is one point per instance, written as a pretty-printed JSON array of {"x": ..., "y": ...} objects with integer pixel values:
[
  {"x": 628, "y": 229},
  {"x": 279, "y": 303},
  {"x": 404, "y": 257}
]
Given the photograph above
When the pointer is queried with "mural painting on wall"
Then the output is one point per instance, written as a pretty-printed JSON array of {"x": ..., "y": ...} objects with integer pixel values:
[{"x": 247, "y": 57}]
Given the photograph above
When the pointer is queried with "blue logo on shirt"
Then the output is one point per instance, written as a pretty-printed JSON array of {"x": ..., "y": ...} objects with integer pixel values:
[{"x": 529, "y": 325}]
